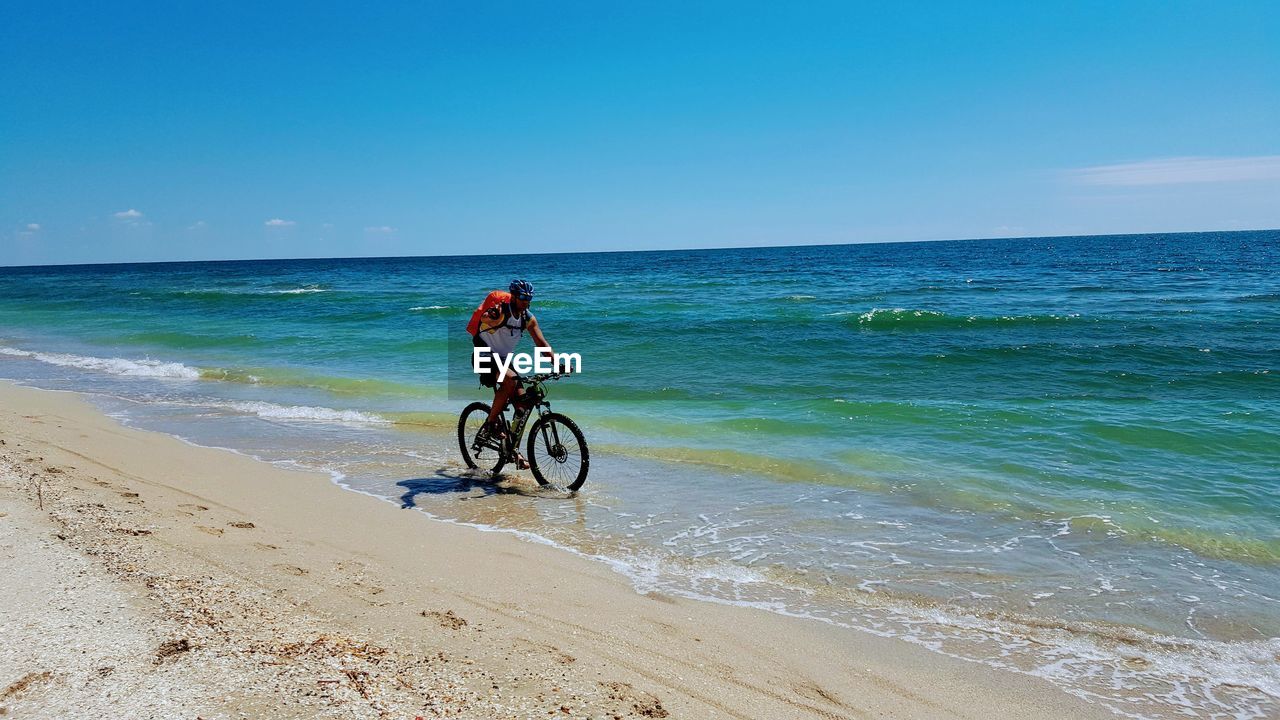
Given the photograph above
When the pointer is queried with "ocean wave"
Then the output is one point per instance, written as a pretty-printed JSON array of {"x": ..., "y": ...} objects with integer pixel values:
[
  {"x": 145, "y": 367},
  {"x": 228, "y": 294},
  {"x": 901, "y": 318},
  {"x": 1123, "y": 668},
  {"x": 428, "y": 308},
  {"x": 298, "y": 291},
  {"x": 1257, "y": 298},
  {"x": 273, "y": 411}
]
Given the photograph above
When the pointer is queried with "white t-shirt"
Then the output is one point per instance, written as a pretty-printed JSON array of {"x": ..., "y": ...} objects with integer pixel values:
[{"x": 502, "y": 339}]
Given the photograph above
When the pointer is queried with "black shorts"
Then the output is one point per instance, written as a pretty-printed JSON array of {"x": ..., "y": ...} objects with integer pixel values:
[{"x": 489, "y": 378}]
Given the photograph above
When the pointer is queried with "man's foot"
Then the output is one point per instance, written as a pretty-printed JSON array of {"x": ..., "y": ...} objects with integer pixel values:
[
  {"x": 495, "y": 429},
  {"x": 521, "y": 463}
]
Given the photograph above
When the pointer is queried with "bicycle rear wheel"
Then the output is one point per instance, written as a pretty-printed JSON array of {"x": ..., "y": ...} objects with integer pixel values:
[
  {"x": 488, "y": 456},
  {"x": 557, "y": 452}
]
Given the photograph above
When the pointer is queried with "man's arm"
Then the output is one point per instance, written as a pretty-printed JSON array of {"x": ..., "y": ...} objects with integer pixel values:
[
  {"x": 535, "y": 332},
  {"x": 490, "y": 310},
  {"x": 538, "y": 339}
]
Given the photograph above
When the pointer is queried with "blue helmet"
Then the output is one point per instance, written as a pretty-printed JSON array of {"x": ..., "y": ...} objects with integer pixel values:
[{"x": 522, "y": 289}]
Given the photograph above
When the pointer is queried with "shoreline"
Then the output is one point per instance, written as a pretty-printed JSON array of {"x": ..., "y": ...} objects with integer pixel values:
[{"x": 270, "y": 591}]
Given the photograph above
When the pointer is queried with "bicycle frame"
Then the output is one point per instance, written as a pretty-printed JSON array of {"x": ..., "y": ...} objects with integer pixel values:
[{"x": 515, "y": 430}]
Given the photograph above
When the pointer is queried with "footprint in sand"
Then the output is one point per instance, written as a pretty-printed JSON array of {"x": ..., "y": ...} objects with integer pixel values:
[
  {"x": 26, "y": 681},
  {"x": 635, "y": 701},
  {"x": 446, "y": 619},
  {"x": 242, "y": 524},
  {"x": 292, "y": 570},
  {"x": 367, "y": 588},
  {"x": 189, "y": 506},
  {"x": 210, "y": 530},
  {"x": 557, "y": 655},
  {"x": 265, "y": 546},
  {"x": 813, "y": 691}
]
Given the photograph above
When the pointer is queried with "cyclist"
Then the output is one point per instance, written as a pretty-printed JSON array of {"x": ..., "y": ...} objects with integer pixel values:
[{"x": 498, "y": 324}]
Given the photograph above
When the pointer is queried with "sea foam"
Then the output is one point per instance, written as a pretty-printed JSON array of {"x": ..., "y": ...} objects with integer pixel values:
[
  {"x": 273, "y": 411},
  {"x": 115, "y": 366}
]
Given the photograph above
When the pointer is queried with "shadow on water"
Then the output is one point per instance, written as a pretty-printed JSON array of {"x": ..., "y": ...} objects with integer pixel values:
[{"x": 471, "y": 484}]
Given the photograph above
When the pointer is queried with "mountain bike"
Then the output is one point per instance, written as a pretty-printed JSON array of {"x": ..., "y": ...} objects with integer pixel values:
[{"x": 556, "y": 449}]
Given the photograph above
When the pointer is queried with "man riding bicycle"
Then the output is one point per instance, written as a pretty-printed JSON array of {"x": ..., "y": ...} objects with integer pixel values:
[{"x": 498, "y": 324}]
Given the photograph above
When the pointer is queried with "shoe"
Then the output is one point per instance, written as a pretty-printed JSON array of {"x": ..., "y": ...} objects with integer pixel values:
[
  {"x": 495, "y": 429},
  {"x": 483, "y": 437}
]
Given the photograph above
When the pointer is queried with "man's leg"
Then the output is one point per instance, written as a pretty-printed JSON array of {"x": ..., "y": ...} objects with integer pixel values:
[{"x": 502, "y": 395}]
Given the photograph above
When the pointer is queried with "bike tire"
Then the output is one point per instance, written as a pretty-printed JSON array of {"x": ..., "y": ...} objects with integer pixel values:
[
  {"x": 470, "y": 421},
  {"x": 551, "y": 465}
]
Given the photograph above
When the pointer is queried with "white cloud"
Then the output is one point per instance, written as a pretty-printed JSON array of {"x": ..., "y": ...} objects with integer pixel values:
[
  {"x": 32, "y": 227},
  {"x": 277, "y": 222},
  {"x": 198, "y": 225},
  {"x": 1180, "y": 170},
  {"x": 129, "y": 214},
  {"x": 380, "y": 230},
  {"x": 1010, "y": 231}
]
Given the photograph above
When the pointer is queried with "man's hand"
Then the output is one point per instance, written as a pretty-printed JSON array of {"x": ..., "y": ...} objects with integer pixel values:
[{"x": 493, "y": 313}]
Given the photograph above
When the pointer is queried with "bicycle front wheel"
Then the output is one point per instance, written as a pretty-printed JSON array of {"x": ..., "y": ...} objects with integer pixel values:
[
  {"x": 485, "y": 456},
  {"x": 557, "y": 452}
]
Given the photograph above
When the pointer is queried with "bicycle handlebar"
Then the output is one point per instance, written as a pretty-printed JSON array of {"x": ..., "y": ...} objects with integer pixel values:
[{"x": 545, "y": 376}]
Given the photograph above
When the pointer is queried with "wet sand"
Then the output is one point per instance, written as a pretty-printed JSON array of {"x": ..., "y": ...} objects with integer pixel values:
[{"x": 145, "y": 577}]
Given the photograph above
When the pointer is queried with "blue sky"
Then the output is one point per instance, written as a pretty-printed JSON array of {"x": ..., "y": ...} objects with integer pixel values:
[{"x": 175, "y": 131}]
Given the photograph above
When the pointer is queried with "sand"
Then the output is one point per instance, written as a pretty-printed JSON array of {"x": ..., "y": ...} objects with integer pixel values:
[{"x": 145, "y": 577}]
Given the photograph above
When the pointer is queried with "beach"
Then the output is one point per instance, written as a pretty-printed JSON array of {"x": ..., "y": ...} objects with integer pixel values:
[{"x": 162, "y": 579}]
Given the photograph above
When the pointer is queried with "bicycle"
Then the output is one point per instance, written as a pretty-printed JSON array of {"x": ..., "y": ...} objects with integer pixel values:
[{"x": 556, "y": 449}]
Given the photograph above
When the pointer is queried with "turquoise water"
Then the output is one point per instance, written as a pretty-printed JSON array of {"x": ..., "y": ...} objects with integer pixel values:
[{"x": 1073, "y": 442}]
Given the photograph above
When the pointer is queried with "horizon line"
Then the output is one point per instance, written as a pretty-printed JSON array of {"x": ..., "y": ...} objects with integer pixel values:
[{"x": 652, "y": 250}]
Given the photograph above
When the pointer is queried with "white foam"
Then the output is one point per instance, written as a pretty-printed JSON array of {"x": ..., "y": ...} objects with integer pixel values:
[
  {"x": 273, "y": 411},
  {"x": 896, "y": 313},
  {"x": 298, "y": 291},
  {"x": 424, "y": 308},
  {"x": 115, "y": 366}
]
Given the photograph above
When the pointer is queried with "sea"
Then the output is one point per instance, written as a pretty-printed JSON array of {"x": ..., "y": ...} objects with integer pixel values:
[{"x": 1058, "y": 456}]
